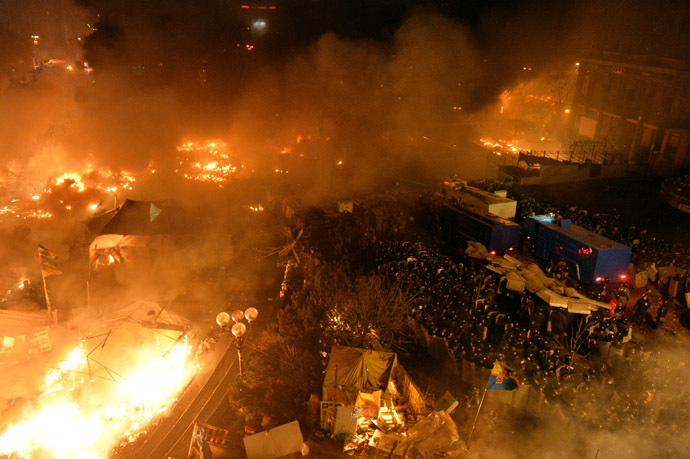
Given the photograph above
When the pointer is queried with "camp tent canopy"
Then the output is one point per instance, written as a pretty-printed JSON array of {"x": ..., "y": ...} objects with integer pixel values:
[
  {"x": 138, "y": 229},
  {"x": 147, "y": 218},
  {"x": 126, "y": 247},
  {"x": 355, "y": 370}
]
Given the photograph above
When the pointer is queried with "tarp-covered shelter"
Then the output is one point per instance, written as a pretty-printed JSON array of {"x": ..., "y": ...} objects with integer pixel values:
[
  {"x": 353, "y": 370},
  {"x": 137, "y": 229}
]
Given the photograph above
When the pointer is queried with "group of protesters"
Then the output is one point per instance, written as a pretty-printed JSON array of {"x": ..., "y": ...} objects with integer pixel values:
[
  {"x": 456, "y": 298},
  {"x": 646, "y": 249},
  {"x": 579, "y": 362}
]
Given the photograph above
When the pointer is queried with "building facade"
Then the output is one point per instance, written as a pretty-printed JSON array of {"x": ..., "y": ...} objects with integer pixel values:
[
  {"x": 638, "y": 105},
  {"x": 32, "y": 31}
]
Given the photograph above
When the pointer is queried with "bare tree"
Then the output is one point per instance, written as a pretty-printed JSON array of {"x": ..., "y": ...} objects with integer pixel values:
[{"x": 364, "y": 311}]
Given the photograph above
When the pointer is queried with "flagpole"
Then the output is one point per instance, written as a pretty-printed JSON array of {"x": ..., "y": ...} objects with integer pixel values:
[
  {"x": 88, "y": 295},
  {"x": 469, "y": 439},
  {"x": 52, "y": 314},
  {"x": 50, "y": 308},
  {"x": 88, "y": 286}
]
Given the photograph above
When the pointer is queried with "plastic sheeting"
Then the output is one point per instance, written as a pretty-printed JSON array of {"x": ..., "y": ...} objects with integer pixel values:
[
  {"x": 553, "y": 292},
  {"x": 358, "y": 370},
  {"x": 434, "y": 436},
  {"x": 274, "y": 443}
]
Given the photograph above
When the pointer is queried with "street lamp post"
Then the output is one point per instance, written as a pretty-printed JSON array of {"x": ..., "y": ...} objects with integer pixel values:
[{"x": 238, "y": 329}]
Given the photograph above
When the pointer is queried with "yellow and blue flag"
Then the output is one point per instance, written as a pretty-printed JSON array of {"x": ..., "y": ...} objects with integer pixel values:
[
  {"x": 48, "y": 260},
  {"x": 367, "y": 405},
  {"x": 500, "y": 378}
]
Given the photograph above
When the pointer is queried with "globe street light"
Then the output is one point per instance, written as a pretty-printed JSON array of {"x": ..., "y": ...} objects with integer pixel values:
[
  {"x": 233, "y": 323},
  {"x": 223, "y": 319},
  {"x": 251, "y": 314}
]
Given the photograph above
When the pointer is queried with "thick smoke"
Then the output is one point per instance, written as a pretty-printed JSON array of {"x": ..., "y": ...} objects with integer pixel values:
[
  {"x": 641, "y": 413},
  {"x": 404, "y": 102},
  {"x": 385, "y": 104}
]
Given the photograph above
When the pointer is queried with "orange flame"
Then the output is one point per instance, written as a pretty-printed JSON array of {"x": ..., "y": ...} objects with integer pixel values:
[{"x": 69, "y": 426}]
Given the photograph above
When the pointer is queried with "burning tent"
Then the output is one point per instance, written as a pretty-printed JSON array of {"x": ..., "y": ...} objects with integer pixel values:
[
  {"x": 141, "y": 331},
  {"x": 354, "y": 374},
  {"x": 136, "y": 230}
]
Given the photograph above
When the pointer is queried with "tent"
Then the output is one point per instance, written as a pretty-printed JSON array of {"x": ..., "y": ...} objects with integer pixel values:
[
  {"x": 353, "y": 370},
  {"x": 136, "y": 229}
]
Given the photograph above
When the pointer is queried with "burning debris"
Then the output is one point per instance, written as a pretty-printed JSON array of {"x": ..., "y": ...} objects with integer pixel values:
[
  {"x": 107, "y": 390},
  {"x": 70, "y": 193},
  {"x": 206, "y": 162}
]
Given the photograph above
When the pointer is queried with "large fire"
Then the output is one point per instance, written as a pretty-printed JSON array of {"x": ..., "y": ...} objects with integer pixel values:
[
  {"x": 207, "y": 161},
  {"x": 83, "y": 416},
  {"x": 105, "y": 180},
  {"x": 71, "y": 187},
  {"x": 501, "y": 146}
]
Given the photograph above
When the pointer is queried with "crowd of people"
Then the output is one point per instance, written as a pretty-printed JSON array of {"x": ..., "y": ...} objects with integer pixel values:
[
  {"x": 482, "y": 320},
  {"x": 574, "y": 359},
  {"x": 581, "y": 363},
  {"x": 645, "y": 247}
]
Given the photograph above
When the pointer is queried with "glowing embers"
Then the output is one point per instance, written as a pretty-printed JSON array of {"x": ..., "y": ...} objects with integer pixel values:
[
  {"x": 71, "y": 191},
  {"x": 501, "y": 146},
  {"x": 105, "y": 180},
  {"x": 82, "y": 415},
  {"x": 205, "y": 162},
  {"x": 16, "y": 210}
]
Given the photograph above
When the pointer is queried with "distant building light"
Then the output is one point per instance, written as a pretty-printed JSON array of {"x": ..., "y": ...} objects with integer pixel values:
[{"x": 259, "y": 27}]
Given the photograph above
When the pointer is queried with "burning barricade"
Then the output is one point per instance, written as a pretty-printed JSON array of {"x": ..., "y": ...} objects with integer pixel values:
[{"x": 126, "y": 371}]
